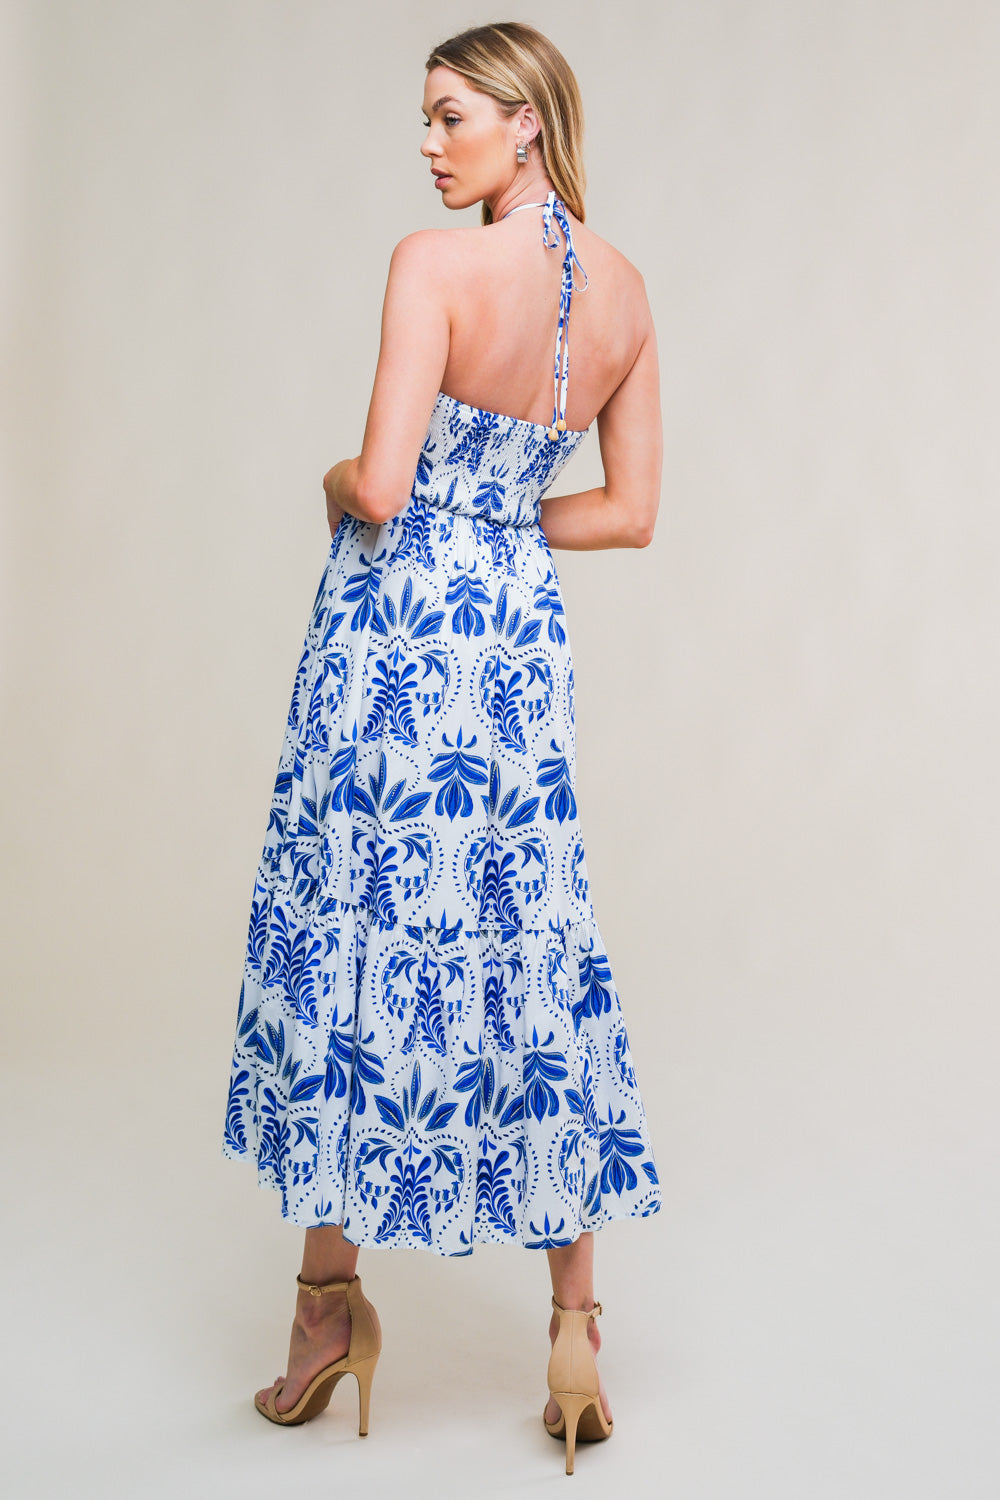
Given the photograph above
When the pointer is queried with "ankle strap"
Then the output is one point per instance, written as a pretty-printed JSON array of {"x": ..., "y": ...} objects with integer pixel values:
[
  {"x": 317, "y": 1291},
  {"x": 592, "y": 1312}
]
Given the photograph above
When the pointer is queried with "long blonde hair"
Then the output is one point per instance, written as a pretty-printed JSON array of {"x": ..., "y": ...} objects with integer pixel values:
[{"x": 516, "y": 64}]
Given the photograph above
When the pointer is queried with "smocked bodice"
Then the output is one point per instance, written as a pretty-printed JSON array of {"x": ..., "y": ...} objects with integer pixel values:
[{"x": 480, "y": 463}]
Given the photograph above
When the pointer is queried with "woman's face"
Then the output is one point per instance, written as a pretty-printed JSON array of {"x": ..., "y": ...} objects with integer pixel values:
[{"x": 467, "y": 139}]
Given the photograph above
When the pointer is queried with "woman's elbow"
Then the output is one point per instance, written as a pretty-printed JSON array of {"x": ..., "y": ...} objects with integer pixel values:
[
  {"x": 634, "y": 505},
  {"x": 378, "y": 504},
  {"x": 642, "y": 522}
]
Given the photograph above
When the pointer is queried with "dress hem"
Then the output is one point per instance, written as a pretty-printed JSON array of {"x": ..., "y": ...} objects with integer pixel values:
[{"x": 229, "y": 1153}]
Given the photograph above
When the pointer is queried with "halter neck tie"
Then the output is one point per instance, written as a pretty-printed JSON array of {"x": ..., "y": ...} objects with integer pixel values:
[{"x": 555, "y": 208}]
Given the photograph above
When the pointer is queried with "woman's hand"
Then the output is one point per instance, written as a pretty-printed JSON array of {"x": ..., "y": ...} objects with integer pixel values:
[{"x": 335, "y": 512}]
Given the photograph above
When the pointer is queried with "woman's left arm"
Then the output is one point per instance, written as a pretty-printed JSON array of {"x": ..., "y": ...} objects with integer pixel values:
[{"x": 416, "y": 333}]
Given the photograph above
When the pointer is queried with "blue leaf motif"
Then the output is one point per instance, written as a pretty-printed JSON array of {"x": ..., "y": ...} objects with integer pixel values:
[
  {"x": 390, "y": 1111},
  {"x": 429, "y": 1046}
]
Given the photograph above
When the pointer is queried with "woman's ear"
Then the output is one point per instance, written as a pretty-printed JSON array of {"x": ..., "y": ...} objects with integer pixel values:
[{"x": 530, "y": 125}]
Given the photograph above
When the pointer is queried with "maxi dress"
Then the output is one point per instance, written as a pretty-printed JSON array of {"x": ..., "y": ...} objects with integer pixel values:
[{"x": 429, "y": 1047}]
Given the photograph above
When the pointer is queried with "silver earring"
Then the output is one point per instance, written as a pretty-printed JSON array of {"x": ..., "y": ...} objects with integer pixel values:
[{"x": 522, "y": 152}]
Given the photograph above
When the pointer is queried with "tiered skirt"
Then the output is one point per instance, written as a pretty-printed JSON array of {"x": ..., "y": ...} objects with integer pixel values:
[{"x": 430, "y": 1048}]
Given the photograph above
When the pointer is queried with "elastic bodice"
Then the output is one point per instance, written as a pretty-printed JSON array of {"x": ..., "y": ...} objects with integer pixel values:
[{"x": 488, "y": 466}]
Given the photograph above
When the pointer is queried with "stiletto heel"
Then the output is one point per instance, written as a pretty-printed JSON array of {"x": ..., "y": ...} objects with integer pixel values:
[
  {"x": 360, "y": 1361},
  {"x": 364, "y": 1370},
  {"x": 572, "y": 1404},
  {"x": 574, "y": 1382}
]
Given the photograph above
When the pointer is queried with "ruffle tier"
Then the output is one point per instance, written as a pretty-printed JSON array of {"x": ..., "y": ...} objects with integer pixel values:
[{"x": 435, "y": 1087}]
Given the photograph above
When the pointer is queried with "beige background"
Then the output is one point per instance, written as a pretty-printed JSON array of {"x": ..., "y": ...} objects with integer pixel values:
[{"x": 788, "y": 740}]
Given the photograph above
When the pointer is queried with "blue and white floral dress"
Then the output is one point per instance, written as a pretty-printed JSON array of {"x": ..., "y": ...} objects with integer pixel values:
[{"x": 430, "y": 1048}]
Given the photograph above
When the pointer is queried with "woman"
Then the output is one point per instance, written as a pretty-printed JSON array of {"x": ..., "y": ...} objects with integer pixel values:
[{"x": 430, "y": 1048}]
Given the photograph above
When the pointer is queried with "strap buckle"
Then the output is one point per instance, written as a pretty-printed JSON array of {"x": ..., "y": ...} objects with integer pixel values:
[
  {"x": 592, "y": 1312},
  {"x": 315, "y": 1290}
]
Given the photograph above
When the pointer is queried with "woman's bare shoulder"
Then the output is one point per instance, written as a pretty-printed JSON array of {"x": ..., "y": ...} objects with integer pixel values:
[
  {"x": 460, "y": 259},
  {"x": 428, "y": 261},
  {"x": 614, "y": 268},
  {"x": 422, "y": 246}
]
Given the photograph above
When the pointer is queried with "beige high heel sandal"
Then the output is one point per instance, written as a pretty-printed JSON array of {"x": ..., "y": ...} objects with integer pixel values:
[
  {"x": 573, "y": 1381},
  {"x": 360, "y": 1361}
]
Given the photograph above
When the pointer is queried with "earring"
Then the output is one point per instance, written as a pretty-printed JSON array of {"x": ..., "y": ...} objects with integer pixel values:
[{"x": 522, "y": 152}]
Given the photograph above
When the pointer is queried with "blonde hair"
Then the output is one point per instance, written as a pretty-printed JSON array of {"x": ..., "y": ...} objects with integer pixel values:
[{"x": 516, "y": 64}]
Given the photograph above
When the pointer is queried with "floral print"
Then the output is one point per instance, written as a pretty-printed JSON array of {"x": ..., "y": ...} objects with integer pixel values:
[{"x": 430, "y": 1048}]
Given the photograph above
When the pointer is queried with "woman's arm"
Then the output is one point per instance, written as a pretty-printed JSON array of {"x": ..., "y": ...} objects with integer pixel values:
[
  {"x": 341, "y": 487},
  {"x": 416, "y": 332},
  {"x": 588, "y": 521},
  {"x": 621, "y": 512}
]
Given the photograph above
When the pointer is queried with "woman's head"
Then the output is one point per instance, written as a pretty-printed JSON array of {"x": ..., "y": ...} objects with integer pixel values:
[{"x": 490, "y": 88}]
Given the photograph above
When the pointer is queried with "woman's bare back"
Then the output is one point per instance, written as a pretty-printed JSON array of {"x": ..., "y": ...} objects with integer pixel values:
[
  {"x": 503, "y": 295},
  {"x": 474, "y": 313}
]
